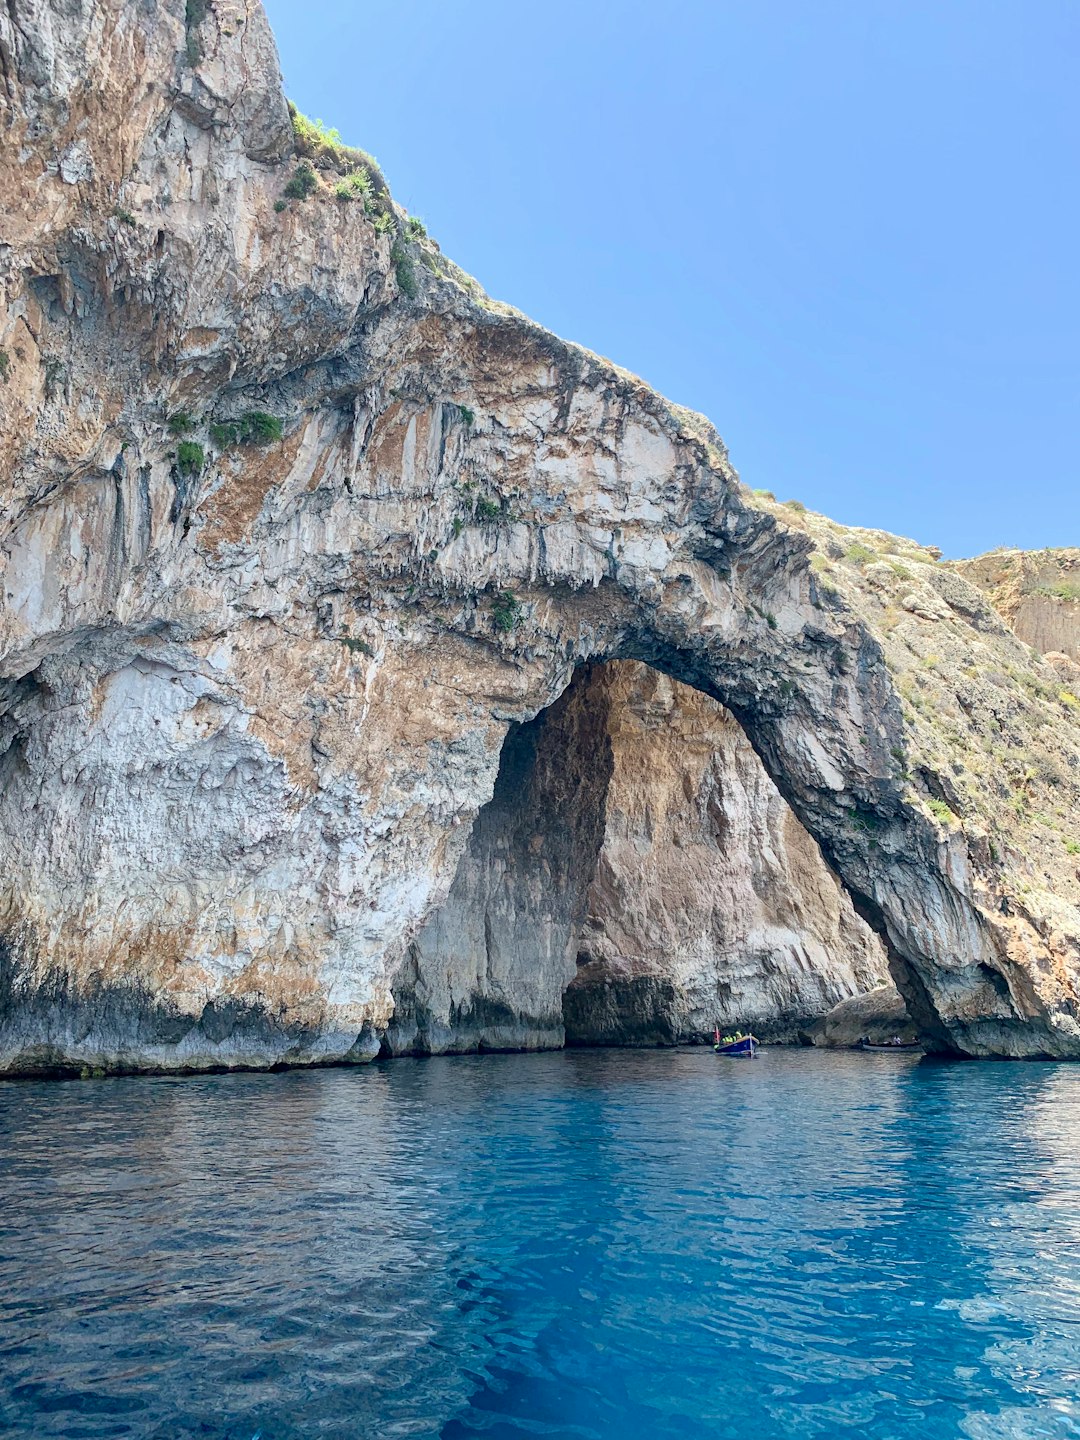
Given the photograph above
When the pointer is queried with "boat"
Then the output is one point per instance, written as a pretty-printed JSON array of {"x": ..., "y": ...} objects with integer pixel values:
[
  {"x": 891, "y": 1045},
  {"x": 738, "y": 1044}
]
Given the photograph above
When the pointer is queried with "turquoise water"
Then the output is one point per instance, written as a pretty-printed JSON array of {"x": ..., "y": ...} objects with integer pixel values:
[{"x": 585, "y": 1244}]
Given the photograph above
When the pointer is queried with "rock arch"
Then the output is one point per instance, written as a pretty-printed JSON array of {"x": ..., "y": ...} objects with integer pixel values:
[{"x": 634, "y": 879}]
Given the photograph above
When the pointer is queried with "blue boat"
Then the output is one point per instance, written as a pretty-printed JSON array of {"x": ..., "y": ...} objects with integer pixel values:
[{"x": 741, "y": 1045}]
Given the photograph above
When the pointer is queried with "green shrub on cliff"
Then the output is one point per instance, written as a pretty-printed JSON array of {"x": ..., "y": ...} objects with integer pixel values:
[
  {"x": 190, "y": 457},
  {"x": 1064, "y": 590},
  {"x": 260, "y": 428},
  {"x": 404, "y": 271},
  {"x": 506, "y": 611},
  {"x": 304, "y": 182},
  {"x": 194, "y": 15},
  {"x": 941, "y": 811},
  {"x": 860, "y": 554},
  {"x": 324, "y": 147},
  {"x": 255, "y": 427}
]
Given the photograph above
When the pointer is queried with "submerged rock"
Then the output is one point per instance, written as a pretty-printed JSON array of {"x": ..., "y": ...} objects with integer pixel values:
[{"x": 297, "y": 525}]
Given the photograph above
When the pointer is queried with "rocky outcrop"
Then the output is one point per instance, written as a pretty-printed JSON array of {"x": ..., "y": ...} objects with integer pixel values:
[
  {"x": 878, "y": 1016},
  {"x": 254, "y": 690},
  {"x": 1036, "y": 592}
]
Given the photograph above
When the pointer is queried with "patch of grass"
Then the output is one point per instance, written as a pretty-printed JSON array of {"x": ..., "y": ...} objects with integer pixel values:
[
  {"x": 1072, "y": 847},
  {"x": 124, "y": 216},
  {"x": 795, "y": 505},
  {"x": 304, "y": 182},
  {"x": 941, "y": 811},
  {"x": 404, "y": 272},
  {"x": 5, "y": 365},
  {"x": 190, "y": 457},
  {"x": 1066, "y": 590},
  {"x": 415, "y": 227},
  {"x": 764, "y": 494},
  {"x": 506, "y": 611},
  {"x": 1068, "y": 698},
  {"x": 383, "y": 222},
  {"x": 860, "y": 554},
  {"x": 181, "y": 423},
  {"x": 357, "y": 646}
]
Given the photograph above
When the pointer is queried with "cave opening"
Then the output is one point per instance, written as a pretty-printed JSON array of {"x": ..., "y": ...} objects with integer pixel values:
[{"x": 635, "y": 879}]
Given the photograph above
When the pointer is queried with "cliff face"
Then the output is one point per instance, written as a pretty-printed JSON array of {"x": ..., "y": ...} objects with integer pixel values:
[
  {"x": 254, "y": 690},
  {"x": 1038, "y": 595}
]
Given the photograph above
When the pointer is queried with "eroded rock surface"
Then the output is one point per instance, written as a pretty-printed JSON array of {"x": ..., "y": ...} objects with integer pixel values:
[
  {"x": 254, "y": 693},
  {"x": 489, "y": 968},
  {"x": 878, "y": 1016},
  {"x": 710, "y": 903}
]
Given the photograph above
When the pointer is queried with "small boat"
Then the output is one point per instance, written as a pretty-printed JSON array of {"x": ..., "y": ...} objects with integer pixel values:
[
  {"x": 739, "y": 1045},
  {"x": 891, "y": 1045}
]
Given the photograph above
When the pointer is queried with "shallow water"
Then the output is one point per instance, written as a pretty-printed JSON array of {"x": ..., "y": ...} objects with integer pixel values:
[{"x": 614, "y": 1244}]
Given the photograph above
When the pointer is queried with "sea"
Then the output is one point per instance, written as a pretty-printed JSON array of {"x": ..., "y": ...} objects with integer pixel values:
[{"x": 586, "y": 1244}]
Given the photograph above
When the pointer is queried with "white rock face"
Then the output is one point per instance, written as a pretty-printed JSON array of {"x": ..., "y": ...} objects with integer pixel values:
[{"x": 253, "y": 695}]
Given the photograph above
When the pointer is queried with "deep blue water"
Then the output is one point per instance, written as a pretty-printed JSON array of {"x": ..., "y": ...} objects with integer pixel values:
[{"x": 614, "y": 1244}]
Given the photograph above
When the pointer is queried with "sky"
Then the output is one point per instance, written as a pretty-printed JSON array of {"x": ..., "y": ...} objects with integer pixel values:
[{"x": 846, "y": 231}]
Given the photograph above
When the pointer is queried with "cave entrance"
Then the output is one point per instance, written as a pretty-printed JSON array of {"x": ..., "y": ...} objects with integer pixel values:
[{"x": 635, "y": 879}]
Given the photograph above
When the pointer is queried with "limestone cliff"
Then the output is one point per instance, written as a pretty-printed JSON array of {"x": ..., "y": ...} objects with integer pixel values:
[
  {"x": 298, "y": 526},
  {"x": 1037, "y": 593}
]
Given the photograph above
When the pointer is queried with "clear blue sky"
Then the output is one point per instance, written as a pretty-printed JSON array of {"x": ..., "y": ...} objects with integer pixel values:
[{"x": 846, "y": 230}]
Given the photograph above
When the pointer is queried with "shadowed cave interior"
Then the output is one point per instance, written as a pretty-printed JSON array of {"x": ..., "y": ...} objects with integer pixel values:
[{"x": 635, "y": 878}]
